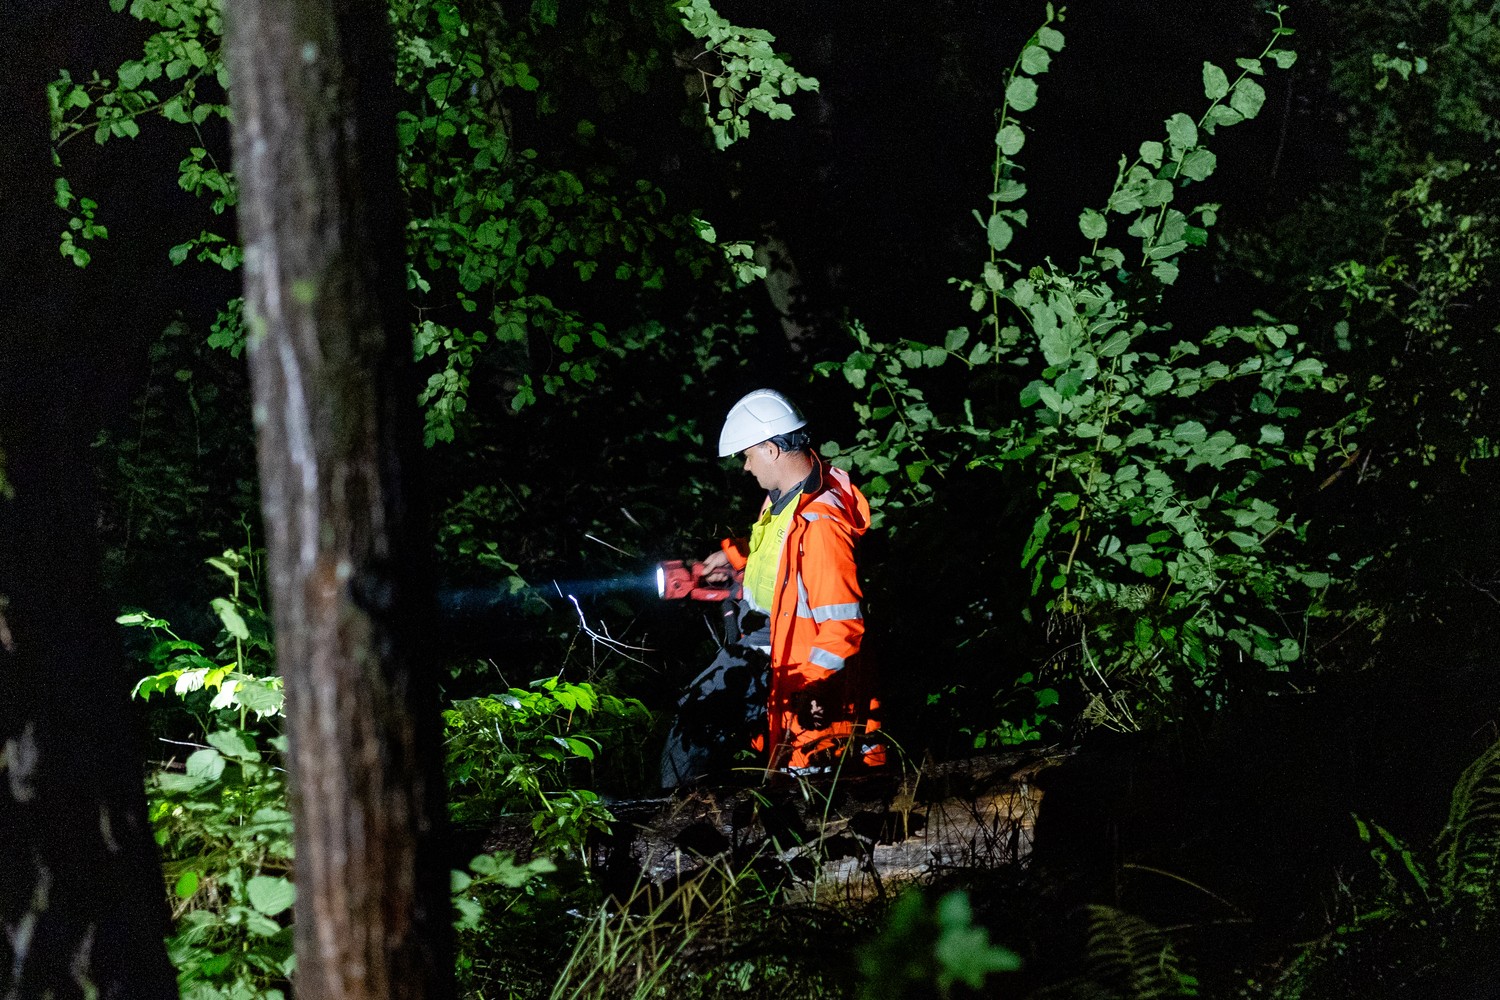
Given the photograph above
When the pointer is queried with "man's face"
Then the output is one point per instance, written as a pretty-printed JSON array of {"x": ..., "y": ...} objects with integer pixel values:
[{"x": 759, "y": 460}]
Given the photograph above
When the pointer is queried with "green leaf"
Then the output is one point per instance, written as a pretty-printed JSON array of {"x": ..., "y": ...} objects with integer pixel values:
[
  {"x": 1092, "y": 224},
  {"x": 260, "y": 696},
  {"x": 1158, "y": 192},
  {"x": 999, "y": 233},
  {"x": 1021, "y": 94},
  {"x": 270, "y": 894},
  {"x": 234, "y": 623},
  {"x": 261, "y": 925},
  {"x": 132, "y": 74},
  {"x": 187, "y": 885},
  {"x": 1125, "y": 200},
  {"x": 439, "y": 87},
  {"x": 1051, "y": 38},
  {"x": 1035, "y": 59},
  {"x": 205, "y": 764},
  {"x": 1199, "y": 163},
  {"x": 233, "y": 744},
  {"x": 1144, "y": 635},
  {"x": 1152, "y": 152},
  {"x": 956, "y": 339},
  {"x": 1271, "y": 434},
  {"x": 1165, "y": 250},
  {"x": 1248, "y": 97},
  {"x": 1009, "y": 190},
  {"x": 1222, "y": 114},
  {"x": 1116, "y": 345},
  {"x": 1215, "y": 83},
  {"x": 1146, "y": 565},
  {"x": 1284, "y": 58},
  {"x": 470, "y": 914},
  {"x": 1182, "y": 131},
  {"x": 1010, "y": 139},
  {"x": 1159, "y": 381},
  {"x": 1190, "y": 432},
  {"x": 173, "y": 111}
]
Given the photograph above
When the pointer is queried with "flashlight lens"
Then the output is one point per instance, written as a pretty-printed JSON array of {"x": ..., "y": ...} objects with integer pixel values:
[{"x": 661, "y": 582}]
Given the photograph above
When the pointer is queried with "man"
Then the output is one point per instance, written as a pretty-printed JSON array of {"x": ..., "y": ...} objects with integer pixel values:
[{"x": 791, "y": 685}]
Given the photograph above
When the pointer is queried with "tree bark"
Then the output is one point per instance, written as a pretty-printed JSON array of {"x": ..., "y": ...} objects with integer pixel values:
[
  {"x": 329, "y": 351},
  {"x": 83, "y": 909}
]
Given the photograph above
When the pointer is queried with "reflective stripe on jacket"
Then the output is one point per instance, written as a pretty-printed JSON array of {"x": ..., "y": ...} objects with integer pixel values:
[{"x": 817, "y": 628}]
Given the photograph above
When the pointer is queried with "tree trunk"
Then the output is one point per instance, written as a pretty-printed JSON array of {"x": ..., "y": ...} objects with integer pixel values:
[
  {"x": 82, "y": 902},
  {"x": 329, "y": 351}
]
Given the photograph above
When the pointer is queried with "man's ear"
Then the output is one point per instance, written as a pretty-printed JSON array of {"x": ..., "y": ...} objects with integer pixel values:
[{"x": 772, "y": 452}]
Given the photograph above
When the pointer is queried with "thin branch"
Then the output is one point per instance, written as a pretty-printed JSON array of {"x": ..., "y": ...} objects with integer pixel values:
[{"x": 607, "y": 545}]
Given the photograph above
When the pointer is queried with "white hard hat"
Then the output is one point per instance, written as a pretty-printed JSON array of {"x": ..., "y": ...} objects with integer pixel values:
[{"x": 758, "y": 417}]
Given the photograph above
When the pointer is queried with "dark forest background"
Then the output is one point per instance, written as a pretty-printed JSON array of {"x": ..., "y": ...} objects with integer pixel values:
[{"x": 596, "y": 279}]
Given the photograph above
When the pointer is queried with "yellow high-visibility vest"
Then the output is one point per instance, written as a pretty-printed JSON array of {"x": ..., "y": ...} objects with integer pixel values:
[{"x": 767, "y": 536}]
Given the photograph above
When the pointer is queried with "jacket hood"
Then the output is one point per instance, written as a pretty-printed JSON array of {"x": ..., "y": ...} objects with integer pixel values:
[{"x": 836, "y": 497}]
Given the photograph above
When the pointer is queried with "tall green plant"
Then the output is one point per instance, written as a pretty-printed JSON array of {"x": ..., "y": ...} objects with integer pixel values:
[
  {"x": 518, "y": 751},
  {"x": 220, "y": 815},
  {"x": 1163, "y": 547}
]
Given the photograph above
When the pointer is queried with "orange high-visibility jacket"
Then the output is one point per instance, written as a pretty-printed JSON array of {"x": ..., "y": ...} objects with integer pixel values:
[{"x": 817, "y": 628}]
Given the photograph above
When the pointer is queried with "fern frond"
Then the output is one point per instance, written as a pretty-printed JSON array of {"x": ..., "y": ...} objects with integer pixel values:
[
  {"x": 1405, "y": 875},
  {"x": 1134, "y": 959},
  {"x": 1469, "y": 846}
]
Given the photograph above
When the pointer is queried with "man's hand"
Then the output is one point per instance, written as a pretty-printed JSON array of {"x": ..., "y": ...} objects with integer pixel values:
[{"x": 716, "y": 568}]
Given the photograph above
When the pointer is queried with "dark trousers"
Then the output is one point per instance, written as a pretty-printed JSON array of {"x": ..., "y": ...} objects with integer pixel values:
[{"x": 723, "y": 709}]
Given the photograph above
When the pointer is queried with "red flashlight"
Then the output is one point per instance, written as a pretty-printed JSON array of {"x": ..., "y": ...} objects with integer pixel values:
[{"x": 677, "y": 579}]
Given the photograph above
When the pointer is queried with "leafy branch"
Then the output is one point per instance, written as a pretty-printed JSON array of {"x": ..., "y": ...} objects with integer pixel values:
[{"x": 752, "y": 76}]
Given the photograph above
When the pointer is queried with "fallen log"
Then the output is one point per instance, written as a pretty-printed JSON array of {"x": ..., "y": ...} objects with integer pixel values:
[{"x": 828, "y": 836}]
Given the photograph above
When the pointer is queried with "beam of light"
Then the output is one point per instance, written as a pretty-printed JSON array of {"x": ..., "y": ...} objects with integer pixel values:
[{"x": 465, "y": 601}]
